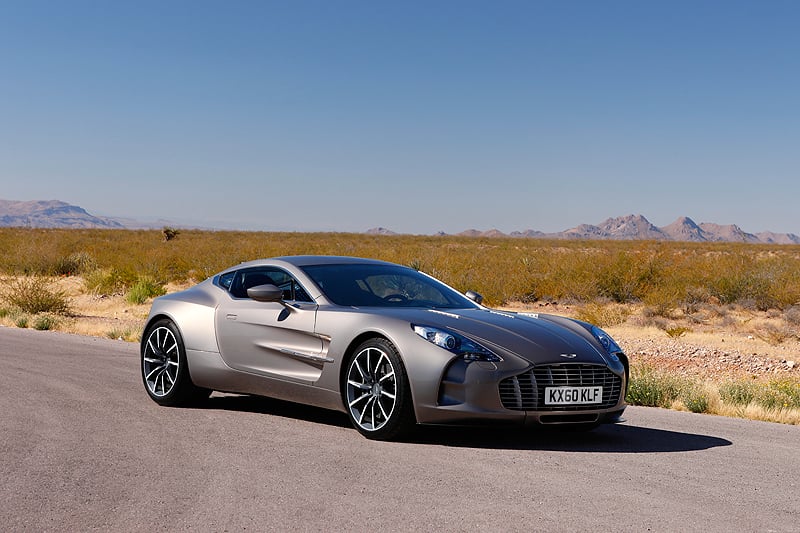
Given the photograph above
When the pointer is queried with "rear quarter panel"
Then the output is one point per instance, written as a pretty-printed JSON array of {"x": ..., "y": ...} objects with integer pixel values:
[{"x": 192, "y": 311}]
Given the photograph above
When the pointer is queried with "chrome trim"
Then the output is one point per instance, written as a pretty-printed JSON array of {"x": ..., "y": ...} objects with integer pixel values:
[
  {"x": 525, "y": 391},
  {"x": 310, "y": 357},
  {"x": 451, "y": 315}
]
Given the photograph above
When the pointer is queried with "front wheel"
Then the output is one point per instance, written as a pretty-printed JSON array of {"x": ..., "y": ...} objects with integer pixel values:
[
  {"x": 165, "y": 372},
  {"x": 377, "y": 395}
]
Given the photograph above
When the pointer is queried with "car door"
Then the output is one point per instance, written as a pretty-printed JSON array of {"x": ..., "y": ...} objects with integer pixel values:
[{"x": 272, "y": 339}]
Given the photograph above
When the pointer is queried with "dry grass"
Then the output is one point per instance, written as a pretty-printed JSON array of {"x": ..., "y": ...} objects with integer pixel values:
[
  {"x": 664, "y": 276},
  {"x": 758, "y": 412},
  {"x": 89, "y": 314},
  {"x": 35, "y": 295},
  {"x": 770, "y": 400},
  {"x": 603, "y": 315}
]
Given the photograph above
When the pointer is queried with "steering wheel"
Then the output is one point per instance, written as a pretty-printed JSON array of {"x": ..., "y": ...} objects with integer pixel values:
[{"x": 396, "y": 297}]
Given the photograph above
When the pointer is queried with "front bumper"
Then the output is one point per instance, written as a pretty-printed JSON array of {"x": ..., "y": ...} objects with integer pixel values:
[{"x": 481, "y": 393}]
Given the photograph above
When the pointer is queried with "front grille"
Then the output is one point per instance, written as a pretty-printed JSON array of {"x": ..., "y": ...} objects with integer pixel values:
[{"x": 524, "y": 391}]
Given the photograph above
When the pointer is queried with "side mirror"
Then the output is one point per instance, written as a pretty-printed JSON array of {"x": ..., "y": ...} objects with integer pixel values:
[
  {"x": 474, "y": 296},
  {"x": 265, "y": 293}
]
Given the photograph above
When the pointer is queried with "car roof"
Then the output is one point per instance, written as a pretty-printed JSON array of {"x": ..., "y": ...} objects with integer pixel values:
[{"x": 309, "y": 260}]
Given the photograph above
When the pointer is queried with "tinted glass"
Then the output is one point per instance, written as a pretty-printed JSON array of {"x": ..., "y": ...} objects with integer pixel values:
[
  {"x": 383, "y": 286},
  {"x": 225, "y": 280},
  {"x": 251, "y": 277}
]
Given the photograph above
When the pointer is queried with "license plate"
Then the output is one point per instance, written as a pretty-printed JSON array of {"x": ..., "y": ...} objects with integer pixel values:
[{"x": 572, "y": 395}]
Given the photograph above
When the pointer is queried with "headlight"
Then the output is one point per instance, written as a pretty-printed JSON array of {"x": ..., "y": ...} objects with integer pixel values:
[
  {"x": 608, "y": 343},
  {"x": 455, "y": 343}
]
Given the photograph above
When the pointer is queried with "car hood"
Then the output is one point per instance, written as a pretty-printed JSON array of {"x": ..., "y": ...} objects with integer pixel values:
[{"x": 537, "y": 338}]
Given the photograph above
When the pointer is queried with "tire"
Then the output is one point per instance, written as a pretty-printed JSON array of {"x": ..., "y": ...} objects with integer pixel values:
[
  {"x": 165, "y": 371},
  {"x": 376, "y": 392}
]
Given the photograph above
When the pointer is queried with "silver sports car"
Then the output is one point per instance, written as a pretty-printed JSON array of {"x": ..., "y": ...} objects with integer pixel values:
[{"x": 388, "y": 345}]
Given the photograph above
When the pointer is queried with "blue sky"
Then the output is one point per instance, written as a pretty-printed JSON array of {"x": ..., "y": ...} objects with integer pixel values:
[{"x": 415, "y": 116}]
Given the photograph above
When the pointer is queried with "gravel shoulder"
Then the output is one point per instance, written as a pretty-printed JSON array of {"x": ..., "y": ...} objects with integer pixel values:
[{"x": 709, "y": 355}]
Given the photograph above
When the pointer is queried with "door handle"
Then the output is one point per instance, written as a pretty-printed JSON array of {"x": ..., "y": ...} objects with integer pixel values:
[{"x": 231, "y": 316}]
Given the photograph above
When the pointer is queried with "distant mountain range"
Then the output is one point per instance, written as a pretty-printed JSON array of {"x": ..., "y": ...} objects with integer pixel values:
[
  {"x": 58, "y": 214},
  {"x": 637, "y": 227},
  {"x": 51, "y": 214}
]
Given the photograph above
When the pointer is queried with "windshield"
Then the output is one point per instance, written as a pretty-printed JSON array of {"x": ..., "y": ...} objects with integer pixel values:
[{"x": 384, "y": 286}]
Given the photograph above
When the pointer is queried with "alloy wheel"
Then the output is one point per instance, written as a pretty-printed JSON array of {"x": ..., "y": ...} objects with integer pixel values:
[
  {"x": 161, "y": 361},
  {"x": 371, "y": 389}
]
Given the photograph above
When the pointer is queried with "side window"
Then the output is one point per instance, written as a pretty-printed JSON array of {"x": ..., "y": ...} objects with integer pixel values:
[
  {"x": 292, "y": 291},
  {"x": 300, "y": 294},
  {"x": 252, "y": 277},
  {"x": 225, "y": 280}
]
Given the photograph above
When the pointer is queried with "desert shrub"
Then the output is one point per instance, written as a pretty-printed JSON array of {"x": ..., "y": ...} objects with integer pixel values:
[
  {"x": 693, "y": 299},
  {"x": 170, "y": 233},
  {"x": 748, "y": 289},
  {"x": 74, "y": 263},
  {"x": 618, "y": 278},
  {"x": 792, "y": 315},
  {"x": 109, "y": 282},
  {"x": 45, "y": 322},
  {"x": 773, "y": 335},
  {"x": 779, "y": 394},
  {"x": 695, "y": 398},
  {"x": 671, "y": 389},
  {"x": 127, "y": 334},
  {"x": 558, "y": 274},
  {"x": 144, "y": 288},
  {"x": 36, "y": 295},
  {"x": 762, "y": 294},
  {"x": 603, "y": 315},
  {"x": 780, "y": 274},
  {"x": 644, "y": 389},
  {"x": 677, "y": 331},
  {"x": 661, "y": 301},
  {"x": 653, "y": 388},
  {"x": 657, "y": 322},
  {"x": 4, "y": 312},
  {"x": 775, "y": 394},
  {"x": 728, "y": 289},
  {"x": 627, "y": 276},
  {"x": 21, "y": 322},
  {"x": 737, "y": 392},
  {"x": 789, "y": 387}
]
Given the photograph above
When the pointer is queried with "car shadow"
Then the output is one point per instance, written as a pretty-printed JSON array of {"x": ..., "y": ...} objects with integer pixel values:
[
  {"x": 609, "y": 438},
  {"x": 275, "y": 407}
]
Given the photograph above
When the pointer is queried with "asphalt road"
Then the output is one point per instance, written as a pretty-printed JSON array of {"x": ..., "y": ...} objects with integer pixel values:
[{"x": 82, "y": 447}]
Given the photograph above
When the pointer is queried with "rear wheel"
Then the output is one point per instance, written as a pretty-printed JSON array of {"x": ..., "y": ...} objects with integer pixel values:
[
  {"x": 165, "y": 372},
  {"x": 377, "y": 395}
]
